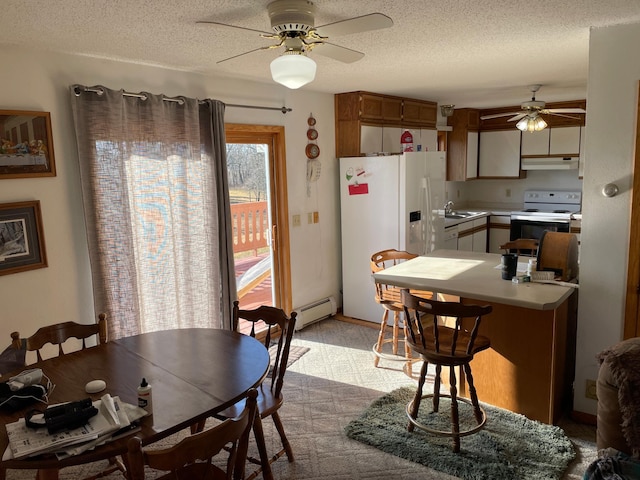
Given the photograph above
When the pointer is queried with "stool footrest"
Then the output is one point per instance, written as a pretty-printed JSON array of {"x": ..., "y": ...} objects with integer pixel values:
[{"x": 447, "y": 433}]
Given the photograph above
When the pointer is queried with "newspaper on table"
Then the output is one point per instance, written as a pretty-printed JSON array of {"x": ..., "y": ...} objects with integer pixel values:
[{"x": 112, "y": 416}]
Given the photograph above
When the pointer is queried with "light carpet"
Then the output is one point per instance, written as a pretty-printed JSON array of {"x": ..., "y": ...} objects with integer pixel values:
[
  {"x": 509, "y": 446},
  {"x": 327, "y": 388}
]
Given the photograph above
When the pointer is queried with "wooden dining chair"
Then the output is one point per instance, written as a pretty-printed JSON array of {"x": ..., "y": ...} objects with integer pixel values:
[
  {"x": 522, "y": 246},
  {"x": 57, "y": 334},
  {"x": 280, "y": 328},
  {"x": 191, "y": 458},
  {"x": 388, "y": 296},
  {"x": 452, "y": 340}
]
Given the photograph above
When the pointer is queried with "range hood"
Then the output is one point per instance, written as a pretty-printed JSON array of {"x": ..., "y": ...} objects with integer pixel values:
[{"x": 549, "y": 163}]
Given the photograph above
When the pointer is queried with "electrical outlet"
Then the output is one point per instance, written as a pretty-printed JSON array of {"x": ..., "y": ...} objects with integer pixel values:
[
  {"x": 507, "y": 193},
  {"x": 296, "y": 220},
  {"x": 590, "y": 391},
  {"x": 309, "y": 217},
  {"x": 316, "y": 217}
]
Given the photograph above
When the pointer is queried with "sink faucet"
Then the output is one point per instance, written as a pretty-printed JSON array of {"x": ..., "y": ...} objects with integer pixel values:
[{"x": 448, "y": 207}]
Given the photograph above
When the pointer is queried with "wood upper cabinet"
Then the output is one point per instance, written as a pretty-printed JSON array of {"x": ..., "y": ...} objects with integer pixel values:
[
  {"x": 357, "y": 110},
  {"x": 380, "y": 108},
  {"x": 418, "y": 112},
  {"x": 462, "y": 144}
]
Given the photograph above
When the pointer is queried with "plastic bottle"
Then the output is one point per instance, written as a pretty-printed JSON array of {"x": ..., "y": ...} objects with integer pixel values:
[
  {"x": 532, "y": 266},
  {"x": 407, "y": 141},
  {"x": 144, "y": 396}
]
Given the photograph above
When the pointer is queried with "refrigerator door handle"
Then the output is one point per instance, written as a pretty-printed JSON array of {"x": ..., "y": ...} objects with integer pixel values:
[{"x": 426, "y": 220}]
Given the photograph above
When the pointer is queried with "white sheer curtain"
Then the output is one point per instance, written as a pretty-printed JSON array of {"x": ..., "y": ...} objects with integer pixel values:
[{"x": 154, "y": 184}]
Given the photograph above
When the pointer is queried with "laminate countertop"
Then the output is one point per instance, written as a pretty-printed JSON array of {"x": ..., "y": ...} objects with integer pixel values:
[{"x": 472, "y": 275}]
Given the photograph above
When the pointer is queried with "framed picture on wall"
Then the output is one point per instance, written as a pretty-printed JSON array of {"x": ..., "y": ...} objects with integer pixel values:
[
  {"x": 21, "y": 237},
  {"x": 26, "y": 144}
]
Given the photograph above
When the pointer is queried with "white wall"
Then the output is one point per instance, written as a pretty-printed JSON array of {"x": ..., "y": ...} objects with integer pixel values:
[
  {"x": 61, "y": 292},
  {"x": 612, "y": 98}
]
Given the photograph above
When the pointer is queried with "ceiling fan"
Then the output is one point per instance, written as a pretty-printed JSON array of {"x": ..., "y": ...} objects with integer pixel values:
[
  {"x": 293, "y": 25},
  {"x": 529, "y": 118}
]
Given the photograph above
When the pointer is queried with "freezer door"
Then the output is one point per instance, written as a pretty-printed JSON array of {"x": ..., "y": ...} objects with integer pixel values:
[
  {"x": 436, "y": 186},
  {"x": 422, "y": 196}
]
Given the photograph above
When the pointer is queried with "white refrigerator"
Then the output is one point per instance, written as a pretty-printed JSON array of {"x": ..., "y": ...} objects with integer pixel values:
[{"x": 393, "y": 201}]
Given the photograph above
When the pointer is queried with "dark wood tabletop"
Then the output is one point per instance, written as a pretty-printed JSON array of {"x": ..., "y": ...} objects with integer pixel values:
[{"x": 194, "y": 373}]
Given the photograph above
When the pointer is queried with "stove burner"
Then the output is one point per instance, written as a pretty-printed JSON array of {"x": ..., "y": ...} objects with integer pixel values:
[
  {"x": 531, "y": 210},
  {"x": 561, "y": 211}
]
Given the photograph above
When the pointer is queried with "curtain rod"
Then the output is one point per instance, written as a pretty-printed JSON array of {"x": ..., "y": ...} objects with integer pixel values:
[{"x": 77, "y": 89}]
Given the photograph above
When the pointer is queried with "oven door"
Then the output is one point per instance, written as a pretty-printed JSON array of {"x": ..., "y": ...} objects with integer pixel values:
[{"x": 524, "y": 226}]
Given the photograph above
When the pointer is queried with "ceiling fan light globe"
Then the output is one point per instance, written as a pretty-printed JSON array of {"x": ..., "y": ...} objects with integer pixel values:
[
  {"x": 529, "y": 124},
  {"x": 293, "y": 71}
]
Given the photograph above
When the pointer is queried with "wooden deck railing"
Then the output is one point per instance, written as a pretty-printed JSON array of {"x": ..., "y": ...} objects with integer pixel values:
[{"x": 250, "y": 223}]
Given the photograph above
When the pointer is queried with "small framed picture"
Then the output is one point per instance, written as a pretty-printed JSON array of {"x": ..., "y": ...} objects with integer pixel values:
[
  {"x": 21, "y": 237},
  {"x": 26, "y": 144}
]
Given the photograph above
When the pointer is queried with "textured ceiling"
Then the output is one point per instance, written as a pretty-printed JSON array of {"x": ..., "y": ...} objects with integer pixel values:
[{"x": 480, "y": 53}]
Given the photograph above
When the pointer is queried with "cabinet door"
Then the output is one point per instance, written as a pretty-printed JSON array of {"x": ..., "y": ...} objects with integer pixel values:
[
  {"x": 535, "y": 143},
  {"x": 564, "y": 141},
  {"x": 465, "y": 243},
  {"x": 371, "y": 107},
  {"x": 480, "y": 236},
  {"x": 428, "y": 140},
  {"x": 370, "y": 139},
  {"x": 499, "y": 154},
  {"x": 472, "y": 155},
  {"x": 391, "y": 139},
  {"x": 381, "y": 109},
  {"x": 499, "y": 232},
  {"x": 465, "y": 236},
  {"x": 480, "y": 241},
  {"x": 421, "y": 113}
]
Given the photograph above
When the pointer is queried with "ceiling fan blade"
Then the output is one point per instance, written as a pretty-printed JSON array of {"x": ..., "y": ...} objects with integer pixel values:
[
  {"x": 364, "y": 23},
  {"x": 246, "y": 53},
  {"x": 497, "y": 115},
  {"x": 561, "y": 115},
  {"x": 517, "y": 117},
  {"x": 262, "y": 32},
  {"x": 342, "y": 54},
  {"x": 564, "y": 110}
]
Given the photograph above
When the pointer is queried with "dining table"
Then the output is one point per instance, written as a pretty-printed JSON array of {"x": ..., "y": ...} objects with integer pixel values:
[
  {"x": 195, "y": 373},
  {"x": 530, "y": 366}
]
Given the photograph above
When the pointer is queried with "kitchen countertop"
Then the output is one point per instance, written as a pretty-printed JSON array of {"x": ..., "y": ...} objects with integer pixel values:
[
  {"x": 471, "y": 275},
  {"x": 480, "y": 213}
]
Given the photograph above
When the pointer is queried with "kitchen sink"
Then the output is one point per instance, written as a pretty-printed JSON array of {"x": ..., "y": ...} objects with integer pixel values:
[{"x": 457, "y": 214}]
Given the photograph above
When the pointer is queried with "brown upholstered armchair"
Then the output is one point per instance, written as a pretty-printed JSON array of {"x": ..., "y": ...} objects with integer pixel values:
[{"x": 618, "y": 391}]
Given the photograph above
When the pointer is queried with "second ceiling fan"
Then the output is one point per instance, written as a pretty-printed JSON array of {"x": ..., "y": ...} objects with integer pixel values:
[
  {"x": 293, "y": 25},
  {"x": 529, "y": 117}
]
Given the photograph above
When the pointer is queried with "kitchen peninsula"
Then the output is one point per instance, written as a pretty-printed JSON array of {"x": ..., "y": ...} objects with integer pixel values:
[{"x": 530, "y": 365}]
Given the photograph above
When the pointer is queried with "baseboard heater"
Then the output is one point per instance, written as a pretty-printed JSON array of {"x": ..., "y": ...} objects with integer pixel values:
[{"x": 314, "y": 312}]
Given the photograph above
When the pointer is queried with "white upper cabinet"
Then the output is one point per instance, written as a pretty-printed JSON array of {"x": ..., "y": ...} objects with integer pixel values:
[
  {"x": 564, "y": 141},
  {"x": 499, "y": 154},
  {"x": 536, "y": 143},
  {"x": 370, "y": 139},
  {"x": 556, "y": 142},
  {"x": 472, "y": 155},
  {"x": 376, "y": 139}
]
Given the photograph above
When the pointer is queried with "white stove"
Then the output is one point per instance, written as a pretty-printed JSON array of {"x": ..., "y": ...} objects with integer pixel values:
[{"x": 545, "y": 210}]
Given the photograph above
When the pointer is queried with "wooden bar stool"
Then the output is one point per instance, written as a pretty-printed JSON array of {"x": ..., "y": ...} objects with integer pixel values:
[
  {"x": 451, "y": 341},
  {"x": 389, "y": 298}
]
